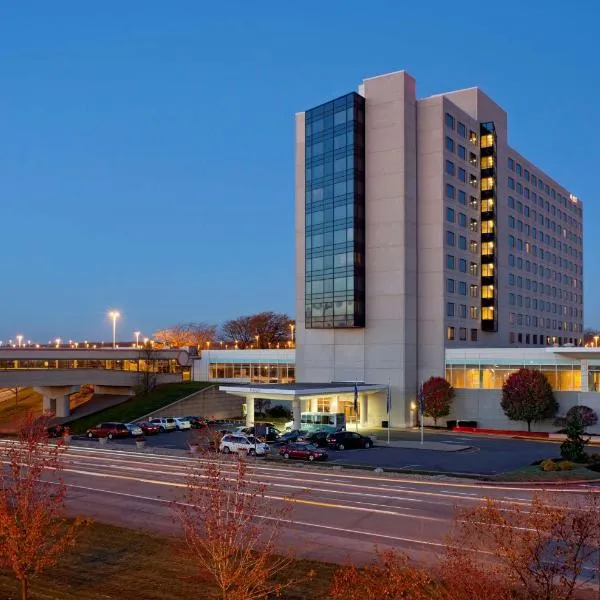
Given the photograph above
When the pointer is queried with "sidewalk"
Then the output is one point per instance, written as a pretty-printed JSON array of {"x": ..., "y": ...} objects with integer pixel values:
[{"x": 416, "y": 445}]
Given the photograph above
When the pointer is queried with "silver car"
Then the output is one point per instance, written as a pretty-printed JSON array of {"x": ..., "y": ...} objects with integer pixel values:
[{"x": 134, "y": 429}]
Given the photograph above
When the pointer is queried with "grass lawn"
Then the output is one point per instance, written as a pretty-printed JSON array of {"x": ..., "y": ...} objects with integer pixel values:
[
  {"x": 113, "y": 562},
  {"x": 11, "y": 412},
  {"x": 140, "y": 405},
  {"x": 534, "y": 473}
]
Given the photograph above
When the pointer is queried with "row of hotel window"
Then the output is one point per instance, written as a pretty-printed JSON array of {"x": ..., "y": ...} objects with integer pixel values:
[
  {"x": 546, "y": 272},
  {"x": 535, "y": 304},
  {"x": 532, "y": 284},
  {"x": 460, "y": 311},
  {"x": 462, "y": 334},
  {"x": 461, "y": 129},
  {"x": 492, "y": 377},
  {"x": 487, "y": 205},
  {"x": 528, "y": 248},
  {"x": 571, "y": 203},
  {"x": 521, "y": 320},
  {"x": 535, "y": 180},
  {"x": 557, "y": 214},
  {"x": 462, "y": 153},
  {"x": 539, "y": 234}
]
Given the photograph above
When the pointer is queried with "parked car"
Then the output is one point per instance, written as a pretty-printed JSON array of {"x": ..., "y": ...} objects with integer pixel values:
[
  {"x": 108, "y": 430},
  {"x": 304, "y": 451},
  {"x": 249, "y": 444},
  {"x": 164, "y": 423},
  {"x": 149, "y": 428},
  {"x": 196, "y": 422},
  {"x": 318, "y": 438},
  {"x": 134, "y": 429},
  {"x": 348, "y": 439},
  {"x": 181, "y": 423},
  {"x": 291, "y": 437}
]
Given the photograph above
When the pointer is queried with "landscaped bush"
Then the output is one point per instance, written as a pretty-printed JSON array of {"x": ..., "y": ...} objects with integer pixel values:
[
  {"x": 566, "y": 465},
  {"x": 595, "y": 457},
  {"x": 549, "y": 465}
]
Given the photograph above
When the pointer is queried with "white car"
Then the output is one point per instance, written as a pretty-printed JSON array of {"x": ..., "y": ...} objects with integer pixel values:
[
  {"x": 182, "y": 423},
  {"x": 134, "y": 429},
  {"x": 165, "y": 423},
  {"x": 245, "y": 443}
]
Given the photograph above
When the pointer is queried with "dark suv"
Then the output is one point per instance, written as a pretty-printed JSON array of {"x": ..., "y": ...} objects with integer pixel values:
[
  {"x": 108, "y": 430},
  {"x": 348, "y": 439}
]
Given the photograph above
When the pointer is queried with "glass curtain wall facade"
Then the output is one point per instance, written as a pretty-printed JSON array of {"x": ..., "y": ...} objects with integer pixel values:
[
  {"x": 335, "y": 214},
  {"x": 253, "y": 372}
]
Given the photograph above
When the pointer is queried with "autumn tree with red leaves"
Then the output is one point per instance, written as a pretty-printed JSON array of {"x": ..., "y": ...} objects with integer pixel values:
[
  {"x": 230, "y": 530},
  {"x": 438, "y": 395},
  {"x": 537, "y": 550},
  {"x": 527, "y": 396},
  {"x": 390, "y": 577},
  {"x": 33, "y": 531}
]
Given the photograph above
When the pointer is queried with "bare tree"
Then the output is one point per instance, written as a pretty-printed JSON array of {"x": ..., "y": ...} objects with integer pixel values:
[
  {"x": 147, "y": 368},
  {"x": 224, "y": 535},
  {"x": 266, "y": 329},
  {"x": 187, "y": 334},
  {"x": 33, "y": 532}
]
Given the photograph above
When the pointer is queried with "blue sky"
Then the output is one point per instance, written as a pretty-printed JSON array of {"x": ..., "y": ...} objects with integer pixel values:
[{"x": 146, "y": 148}]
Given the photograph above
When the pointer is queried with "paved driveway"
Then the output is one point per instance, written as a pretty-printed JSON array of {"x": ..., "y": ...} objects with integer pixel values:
[{"x": 488, "y": 455}]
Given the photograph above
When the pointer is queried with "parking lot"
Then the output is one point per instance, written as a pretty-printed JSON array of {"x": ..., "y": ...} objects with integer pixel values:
[{"x": 487, "y": 455}]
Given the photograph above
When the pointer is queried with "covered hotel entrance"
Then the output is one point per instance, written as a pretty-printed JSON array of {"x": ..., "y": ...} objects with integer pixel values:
[{"x": 313, "y": 397}]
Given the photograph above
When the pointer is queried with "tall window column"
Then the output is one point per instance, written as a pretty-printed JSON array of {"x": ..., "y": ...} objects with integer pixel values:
[{"x": 489, "y": 255}]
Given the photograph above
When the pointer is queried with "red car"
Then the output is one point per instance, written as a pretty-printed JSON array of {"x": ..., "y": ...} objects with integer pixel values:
[
  {"x": 304, "y": 451},
  {"x": 108, "y": 430},
  {"x": 149, "y": 428}
]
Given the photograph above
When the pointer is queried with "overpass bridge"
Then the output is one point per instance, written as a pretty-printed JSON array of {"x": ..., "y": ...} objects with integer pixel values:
[{"x": 54, "y": 372}]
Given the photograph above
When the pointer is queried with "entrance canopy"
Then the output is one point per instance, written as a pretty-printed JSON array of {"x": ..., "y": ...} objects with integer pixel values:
[
  {"x": 297, "y": 392},
  {"x": 291, "y": 391}
]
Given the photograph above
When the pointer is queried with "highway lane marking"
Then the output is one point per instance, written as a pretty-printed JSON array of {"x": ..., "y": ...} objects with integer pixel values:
[
  {"x": 414, "y": 482},
  {"x": 268, "y": 518},
  {"x": 448, "y": 495},
  {"x": 480, "y": 486},
  {"x": 267, "y": 496}
]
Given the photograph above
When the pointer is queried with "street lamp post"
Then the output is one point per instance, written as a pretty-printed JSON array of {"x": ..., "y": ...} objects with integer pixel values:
[
  {"x": 596, "y": 340},
  {"x": 257, "y": 337},
  {"x": 137, "y": 338},
  {"x": 114, "y": 315}
]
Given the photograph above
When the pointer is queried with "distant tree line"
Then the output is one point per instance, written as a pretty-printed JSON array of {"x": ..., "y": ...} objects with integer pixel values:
[{"x": 262, "y": 330}]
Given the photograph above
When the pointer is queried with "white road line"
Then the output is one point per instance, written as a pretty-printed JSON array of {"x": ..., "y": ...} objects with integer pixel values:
[{"x": 266, "y": 517}]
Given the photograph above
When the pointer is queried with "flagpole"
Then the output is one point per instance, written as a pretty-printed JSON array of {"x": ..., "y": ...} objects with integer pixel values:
[
  {"x": 389, "y": 407},
  {"x": 356, "y": 403},
  {"x": 422, "y": 407}
]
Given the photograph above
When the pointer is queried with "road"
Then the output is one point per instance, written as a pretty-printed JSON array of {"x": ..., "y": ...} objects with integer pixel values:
[{"x": 337, "y": 516}]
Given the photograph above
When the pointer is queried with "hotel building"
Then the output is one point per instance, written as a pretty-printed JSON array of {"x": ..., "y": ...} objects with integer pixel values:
[{"x": 420, "y": 230}]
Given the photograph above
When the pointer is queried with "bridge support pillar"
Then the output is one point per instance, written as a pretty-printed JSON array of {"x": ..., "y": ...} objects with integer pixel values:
[
  {"x": 249, "y": 411},
  {"x": 296, "y": 413},
  {"x": 63, "y": 406},
  {"x": 55, "y": 400},
  {"x": 48, "y": 406}
]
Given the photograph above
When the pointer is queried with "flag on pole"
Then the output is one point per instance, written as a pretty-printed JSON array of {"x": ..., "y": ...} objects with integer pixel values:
[
  {"x": 388, "y": 403},
  {"x": 355, "y": 398},
  {"x": 421, "y": 400}
]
